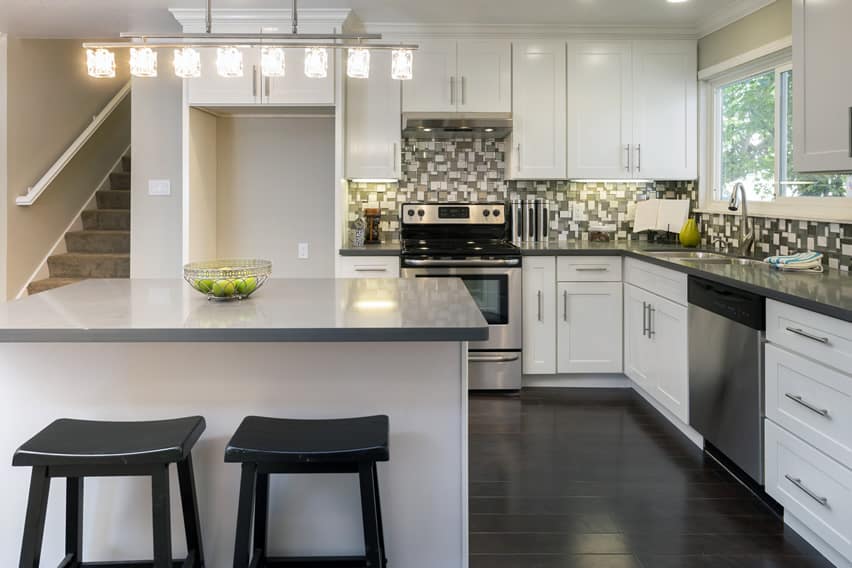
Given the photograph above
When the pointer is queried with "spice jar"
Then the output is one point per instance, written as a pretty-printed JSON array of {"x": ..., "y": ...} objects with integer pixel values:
[{"x": 373, "y": 218}]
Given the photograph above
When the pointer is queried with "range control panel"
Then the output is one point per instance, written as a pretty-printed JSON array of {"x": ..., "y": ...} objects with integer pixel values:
[{"x": 453, "y": 214}]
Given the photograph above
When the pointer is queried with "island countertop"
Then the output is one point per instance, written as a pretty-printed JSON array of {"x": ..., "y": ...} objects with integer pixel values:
[{"x": 283, "y": 310}]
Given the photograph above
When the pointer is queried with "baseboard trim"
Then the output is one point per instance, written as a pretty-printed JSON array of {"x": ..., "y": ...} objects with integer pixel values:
[
  {"x": 685, "y": 429},
  {"x": 816, "y": 541},
  {"x": 577, "y": 381}
]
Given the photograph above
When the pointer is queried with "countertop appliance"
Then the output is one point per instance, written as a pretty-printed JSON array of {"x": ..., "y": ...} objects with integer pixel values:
[
  {"x": 469, "y": 241},
  {"x": 726, "y": 336}
]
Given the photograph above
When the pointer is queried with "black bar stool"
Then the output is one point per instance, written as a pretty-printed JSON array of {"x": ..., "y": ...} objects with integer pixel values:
[
  {"x": 76, "y": 449},
  {"x": 271, "y": 445}
]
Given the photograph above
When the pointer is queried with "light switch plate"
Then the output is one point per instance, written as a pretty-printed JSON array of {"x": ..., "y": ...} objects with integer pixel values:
[
  {"x": 159, "y": 187},
  {"x": 303, "y": 250}
]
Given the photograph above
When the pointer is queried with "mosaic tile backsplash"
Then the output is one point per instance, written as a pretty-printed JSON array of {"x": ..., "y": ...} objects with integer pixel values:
[{"x": 473, "y": 170}]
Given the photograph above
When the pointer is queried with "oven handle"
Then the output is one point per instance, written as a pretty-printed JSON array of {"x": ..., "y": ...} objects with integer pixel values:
[
  {"x": 493, "y": 358},
  {"x": 460, "y": 262}
]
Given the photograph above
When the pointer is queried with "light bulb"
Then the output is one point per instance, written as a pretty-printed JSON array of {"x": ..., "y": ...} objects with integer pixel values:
[
  {"x": 100, "y": 63},
  {"x": 229, "y": 61},
  {"x": 402, "y": 64},
  {"x": 143, "y": 62},
  {"x": 358, "y": 63},
  {"x": 272, "y": 62},
  {"x": 316, "y": 62},
  {"x": 187, "y": 63}
]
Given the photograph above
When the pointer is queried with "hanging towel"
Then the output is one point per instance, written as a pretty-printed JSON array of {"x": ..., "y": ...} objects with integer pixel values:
[{"x": 804, "y": 261}]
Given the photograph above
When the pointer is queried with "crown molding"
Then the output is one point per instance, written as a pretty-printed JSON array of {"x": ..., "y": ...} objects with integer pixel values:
[
  {"x": 499, "y": 31},
  {"x": 728, "y": 16},
  {"x": 193, "y": 20}
]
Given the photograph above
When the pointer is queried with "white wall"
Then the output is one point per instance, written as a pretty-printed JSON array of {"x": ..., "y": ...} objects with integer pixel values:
[
  {"x": 156, "y": 241},
  {"x": 276, "y": 189},
  {"x": 3, "y": 173},
  {"x": 203, "y": 187}
]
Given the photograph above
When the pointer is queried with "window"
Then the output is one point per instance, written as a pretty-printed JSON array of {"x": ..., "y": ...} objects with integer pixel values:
[{"x": 752, "y": 140}]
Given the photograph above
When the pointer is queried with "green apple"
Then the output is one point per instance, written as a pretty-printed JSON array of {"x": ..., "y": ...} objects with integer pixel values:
[
  {"x": 204, "y": 286},
  {"x": 247, "y": 286},
  {"x": 223, "y": 288}
]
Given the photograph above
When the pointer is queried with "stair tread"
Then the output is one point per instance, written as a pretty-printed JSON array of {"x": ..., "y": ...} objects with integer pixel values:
[
  {"x": 117, "y": 255},
  {"x": 49, "y": 284},
  {"x": 107, "y": 232}
]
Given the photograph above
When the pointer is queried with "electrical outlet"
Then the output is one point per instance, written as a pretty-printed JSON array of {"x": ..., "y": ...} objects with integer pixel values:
[
  {"x": 159, "y": 187},
  {"x": 303, "y": 251}
]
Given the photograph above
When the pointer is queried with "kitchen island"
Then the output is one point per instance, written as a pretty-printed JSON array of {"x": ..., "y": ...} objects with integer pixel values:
[{"x": 150, "y": 349}]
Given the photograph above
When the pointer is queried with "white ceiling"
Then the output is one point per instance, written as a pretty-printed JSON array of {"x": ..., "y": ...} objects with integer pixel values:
[{"x": 106, "y": 18}]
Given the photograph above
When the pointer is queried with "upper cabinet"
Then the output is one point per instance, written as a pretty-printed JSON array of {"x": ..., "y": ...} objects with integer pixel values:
[
  {"x": 536, "y": 148},
  {"x": 460, "y": 76},
  {"x": 297, "y": 89},
  {"x": 632, "y": 109},
  {"x": 373, "y": 133},
  {"x": 822, "y": 86}
]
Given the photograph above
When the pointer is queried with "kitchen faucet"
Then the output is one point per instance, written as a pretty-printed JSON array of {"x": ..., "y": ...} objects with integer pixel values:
[{"x": 746, "y": 234}]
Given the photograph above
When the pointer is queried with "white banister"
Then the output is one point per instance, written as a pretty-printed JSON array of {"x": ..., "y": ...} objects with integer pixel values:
[{"x": 36, "y": 190}]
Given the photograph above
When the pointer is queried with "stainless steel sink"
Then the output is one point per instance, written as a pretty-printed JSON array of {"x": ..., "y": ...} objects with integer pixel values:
[
  {"x": 688, "y": 255},
  {"x": 727, "y": 261}
]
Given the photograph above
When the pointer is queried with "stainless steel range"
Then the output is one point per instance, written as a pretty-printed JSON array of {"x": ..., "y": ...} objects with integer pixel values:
[{"x": 468, "y": 241}]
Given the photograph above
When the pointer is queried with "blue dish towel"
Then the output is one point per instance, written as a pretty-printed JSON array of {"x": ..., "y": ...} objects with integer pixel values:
[{"x": 803, "y": 261}]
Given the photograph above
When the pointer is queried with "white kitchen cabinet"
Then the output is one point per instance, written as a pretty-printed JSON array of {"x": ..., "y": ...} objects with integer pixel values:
[
  {"x": 537, "y": 147},
  {"x": 460, "y": 76},
  {"x": 213, "y": 89},
  {"x": 539, "y": 315},
  {"x": 600, "y": 107},
  {"x": 822, "y": 86},
  {"x": 638, "y": 358},
  {"x": 296, "y": 89},
  {"x": 369, "y": 267},
  {"x": 632, "y": 109},
  {"x": 373, "y": 133},
  {"x": 589, "y": 327},
  {"x": 665, "y": 109}
]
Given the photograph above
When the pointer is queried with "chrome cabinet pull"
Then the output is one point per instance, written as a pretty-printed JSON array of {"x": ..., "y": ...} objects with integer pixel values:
[
  {"x": 651, "y": 311},
  {"x": 591, "y": 268},
  {"x": 638, "y": 157},
  {"x": 464, "y": 90},
  {"x": 267, "y": 86},
  {"x": 492, "y": 358},
  {"x": 798, "y": 483},
  {"x": 518, "y": 165},
  {"x": 539, "y": 306},
  {"x": 371, "y": 269},
  {"x": 565, "y": 305},
  {"x": 799, "y": 400},
  {"x": 805, "y": 334},
  {"x": 627, "y": 164},
  {"x": 644, "y": 318},
  {"x": 452, "y": 90},
  {"x": 254, "y": 80}
]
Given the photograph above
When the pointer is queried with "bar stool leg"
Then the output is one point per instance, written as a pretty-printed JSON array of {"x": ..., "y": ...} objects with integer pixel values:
[
  {"x": 34, "y": 523},
  {"x": 162, "y": 517},
  {"x": 74, "y": 519},
  {"x": 261, "y": 514},
  {"x": 372, "y": 548},
  {"x": 244, "y": 514},
  {"x": 379, "y": 515},
  {"x": 189, "y": 505}
]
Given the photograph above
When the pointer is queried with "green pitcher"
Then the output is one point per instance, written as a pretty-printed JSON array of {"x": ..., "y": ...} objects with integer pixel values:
[{"x": 689, "y": 235}]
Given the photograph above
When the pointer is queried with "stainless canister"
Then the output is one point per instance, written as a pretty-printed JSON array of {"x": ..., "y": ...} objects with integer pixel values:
[
  {"x": 529, "y": 221},
  {"x": 542, "y": 220},
  {"x": 517, "y": 216}
]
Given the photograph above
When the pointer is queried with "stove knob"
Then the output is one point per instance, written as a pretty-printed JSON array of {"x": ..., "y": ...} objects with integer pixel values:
[
  {"x": 411, "y": 212},
  {"x": 496, "y": 212},
  {"x": 486, "y": 212},
  {"x": 421, "y": 212}
]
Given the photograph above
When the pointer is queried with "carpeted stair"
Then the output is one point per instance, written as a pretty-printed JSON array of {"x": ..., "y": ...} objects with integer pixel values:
[{"x": 102, "y": 248}]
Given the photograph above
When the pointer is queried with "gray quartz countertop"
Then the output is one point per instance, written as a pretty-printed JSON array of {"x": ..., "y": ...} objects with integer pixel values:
[
  {"x": 384, "y": 249},
  {"x": 283, "y": 310}
]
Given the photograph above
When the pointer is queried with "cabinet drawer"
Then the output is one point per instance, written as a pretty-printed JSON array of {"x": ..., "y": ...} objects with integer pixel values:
[
  {"x": 811, "y": 486},
  {"x": 825, "y": 339},
  {"x": 811, "y": 401},
  {"x": 667, "y": 283},
  {"x": 588, "y": 269},
  {"x": 369, "y": 267}
]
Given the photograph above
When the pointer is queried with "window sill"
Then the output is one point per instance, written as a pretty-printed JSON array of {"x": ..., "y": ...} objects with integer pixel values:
[{"x": 835, "y": 214}]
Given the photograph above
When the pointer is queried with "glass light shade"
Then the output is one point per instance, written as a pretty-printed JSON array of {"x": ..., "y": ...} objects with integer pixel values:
[
  {"x": 272, "y": 62},
  {"x": 187, "y": 63},
  {"x": 358, "y": 63},
  {"x": 229, "y": 61},
  {"x": 316, "y": 62},
  {"x": 100, "y": 63},
  {"x": 143, "y": 62},
  {"x": 402, "y": 64}
]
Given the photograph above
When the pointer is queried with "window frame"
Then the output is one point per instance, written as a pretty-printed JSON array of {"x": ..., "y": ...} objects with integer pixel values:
[{"x": 829, "y": 209}]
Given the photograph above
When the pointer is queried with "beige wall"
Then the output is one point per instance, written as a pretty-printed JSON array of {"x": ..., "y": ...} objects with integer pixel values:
[
  {"x": 50, "y": 101},
  {"x": 769, "y": 24},
  {"x": 3, "y": 174},
  {"x": 202, "y": 187}
]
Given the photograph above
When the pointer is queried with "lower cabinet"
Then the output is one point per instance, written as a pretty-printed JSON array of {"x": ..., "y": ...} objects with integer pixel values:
[
  {"x": 540, "y": 315},
  {"x": 588, "y": 328},
  {"x": 368, "y": 267},
  {"x": 656, "y": 349}
]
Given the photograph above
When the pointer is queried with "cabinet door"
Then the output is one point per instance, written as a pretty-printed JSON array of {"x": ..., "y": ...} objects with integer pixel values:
[
  {"x": 667, "y": 323},
  {"x": 485, "y": 76},
  {"x": 213, "y": 89},
  {"x": 538, "y": 84},
  {"x": 295, "y": 88},
  {"x": 434, "y": 87},
  {"x": 637, "y": 346},
  {"x": 373, "y": 134},
  {"x": 600, "y": 107},
  {"x": 822, "y": 85},
  {"x": 589, "y": 328},
  {"x": 540, "y": 315},
  {"x": 665, "y": 110}
]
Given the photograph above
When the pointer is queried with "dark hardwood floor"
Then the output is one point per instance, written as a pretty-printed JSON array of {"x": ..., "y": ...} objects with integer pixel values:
[{"x": 597, "y": 479}]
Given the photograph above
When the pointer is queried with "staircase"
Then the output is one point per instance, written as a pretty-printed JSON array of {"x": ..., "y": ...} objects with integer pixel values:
[{"x": 102, "y": 248}]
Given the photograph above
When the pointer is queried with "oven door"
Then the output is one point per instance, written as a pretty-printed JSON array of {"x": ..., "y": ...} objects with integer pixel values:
[{"x": 497, "y": 292}]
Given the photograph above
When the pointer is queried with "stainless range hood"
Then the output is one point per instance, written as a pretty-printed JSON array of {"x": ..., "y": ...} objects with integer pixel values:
[{"x": 433, "y": 125}]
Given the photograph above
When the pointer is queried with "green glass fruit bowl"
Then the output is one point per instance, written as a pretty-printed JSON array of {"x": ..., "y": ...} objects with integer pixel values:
[{"x": 228, "y": 279}]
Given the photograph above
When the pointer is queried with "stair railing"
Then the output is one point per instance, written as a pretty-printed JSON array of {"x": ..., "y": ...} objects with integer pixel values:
[{"x": 34, "y": 192}]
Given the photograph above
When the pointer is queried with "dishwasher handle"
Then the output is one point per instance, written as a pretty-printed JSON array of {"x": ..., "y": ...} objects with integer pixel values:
[{"x": 734, "y": 304}]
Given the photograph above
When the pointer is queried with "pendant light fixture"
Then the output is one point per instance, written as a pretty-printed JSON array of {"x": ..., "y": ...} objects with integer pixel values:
[
  {"x": 272, "y": 62},
  {"x": 402, "y": 64},
  {"x": 143, "y": 62},
  {"x": 316, "y": 62},
  {"x": 229, "y": 61},
  {"x": 187, "y": 63},
  {"x": 358, "y": 63},
  {"x": 100, "y": 63}
]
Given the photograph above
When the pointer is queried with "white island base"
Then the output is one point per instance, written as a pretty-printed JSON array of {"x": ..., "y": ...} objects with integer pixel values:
[{"x": 421, "y": 386}]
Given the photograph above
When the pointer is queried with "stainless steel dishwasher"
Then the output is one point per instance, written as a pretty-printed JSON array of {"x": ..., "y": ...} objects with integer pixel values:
[{"x": 726, "y": 335}]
